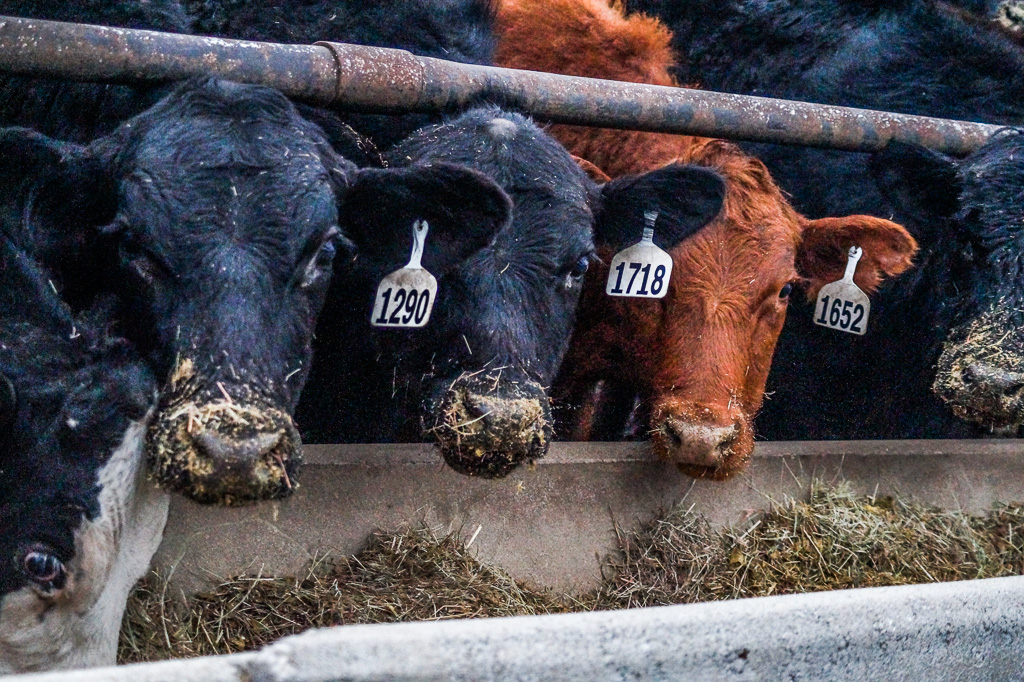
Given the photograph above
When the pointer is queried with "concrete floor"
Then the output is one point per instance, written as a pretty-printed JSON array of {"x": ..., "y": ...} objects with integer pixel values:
[{"x": 552, "y": 524}]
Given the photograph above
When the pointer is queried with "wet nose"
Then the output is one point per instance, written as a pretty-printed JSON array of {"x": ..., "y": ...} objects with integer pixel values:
[
  {"x": 991, "y": 380},
  {"x": 698, "y": 444},
  {"x": 248, "y": 450}
]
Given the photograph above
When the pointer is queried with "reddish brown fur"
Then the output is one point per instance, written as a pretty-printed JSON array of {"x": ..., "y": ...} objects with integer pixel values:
[{"x": 700, "y": 356}]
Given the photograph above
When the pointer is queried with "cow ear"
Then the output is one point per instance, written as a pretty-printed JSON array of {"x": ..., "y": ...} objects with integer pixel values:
[
  {"x": 592, "y": 171},
  {"x": 888, "y": 250},
  {"x": 465, "y": 209},
  {"x": 61, "y": 187},
  {"x": 686, "y": 198},
  {"x": 8, "y": 405},
  {"x": 921, "y": 184}
]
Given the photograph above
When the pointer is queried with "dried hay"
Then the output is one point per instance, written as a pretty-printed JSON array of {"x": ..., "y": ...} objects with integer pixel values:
[
  {"x": 415, "y": 575},
  {"x": 835, "y": 540}
]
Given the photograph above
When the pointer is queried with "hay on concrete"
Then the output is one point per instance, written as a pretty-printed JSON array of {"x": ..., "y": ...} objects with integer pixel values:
[
  {"x": 407, "y": 576},
  {"x": 835, "y": 540}
]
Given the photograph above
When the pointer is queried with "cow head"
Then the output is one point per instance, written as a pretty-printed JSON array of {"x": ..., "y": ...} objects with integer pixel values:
[
  {"x": 478, "y": 374},
  {"x": 220, "y": 211},
  {"x": 969, "y": 217},
  {"x": 80, "y": 522},
  {"x": 699, "y": 357}
]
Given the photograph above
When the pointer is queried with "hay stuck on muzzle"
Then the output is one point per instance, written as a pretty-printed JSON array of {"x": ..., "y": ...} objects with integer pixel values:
[
  {"x": 980, "y": 374},
  {"x": 486, "y": 428},
  {"x": 219, "y": 447}
]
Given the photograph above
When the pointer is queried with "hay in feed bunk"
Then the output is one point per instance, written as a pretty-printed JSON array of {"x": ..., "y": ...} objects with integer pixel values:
[{"x": 835, "y": 540}]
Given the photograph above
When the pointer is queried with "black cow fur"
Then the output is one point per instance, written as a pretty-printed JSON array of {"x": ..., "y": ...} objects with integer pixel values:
[
  {"x": 457, "y": 30},
  {"x": 79, "y": 112},
  {"x": 912, "y": 56}
]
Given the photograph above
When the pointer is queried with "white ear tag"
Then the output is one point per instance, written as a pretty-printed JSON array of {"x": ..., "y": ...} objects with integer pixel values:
[
  {"x": 406, "y": 296},
  {"x": 842, "y": 305},
  {"x": 641, "y": 270}
]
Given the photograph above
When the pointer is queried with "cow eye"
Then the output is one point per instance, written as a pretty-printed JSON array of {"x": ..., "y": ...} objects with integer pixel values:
[
  {"x": 140, "y": 264},
  {"x": 786, "y": 290},
  {"x": 44, "y": 569},
  {"x": 321, "y": 261},
  {"x": 580, "y": 267}
]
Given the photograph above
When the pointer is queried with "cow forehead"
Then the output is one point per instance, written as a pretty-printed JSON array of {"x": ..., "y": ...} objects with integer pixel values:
[
  {"x": 271, "y": 213},
  {"x": 754, "y": 253}
]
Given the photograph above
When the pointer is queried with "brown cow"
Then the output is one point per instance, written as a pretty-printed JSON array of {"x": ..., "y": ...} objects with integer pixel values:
[{"x": 699, "y": 357}]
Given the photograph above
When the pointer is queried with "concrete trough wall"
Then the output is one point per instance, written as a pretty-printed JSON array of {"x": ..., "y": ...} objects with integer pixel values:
[
  {"x": 552, "y": 524},
  {"x": 952, "y": 631}
]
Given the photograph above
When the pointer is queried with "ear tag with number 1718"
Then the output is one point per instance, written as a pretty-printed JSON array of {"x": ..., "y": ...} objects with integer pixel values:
[
  {"x": 406, "y": 296},
  {"x": 842, "y": 305},
  {"x": 641, "y": 270}
]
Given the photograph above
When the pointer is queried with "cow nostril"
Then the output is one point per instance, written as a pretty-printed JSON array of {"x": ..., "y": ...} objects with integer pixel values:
[
  {"x": 672, "y": 434},
  {"x": 222, "y": 448},
  {"x": 724, "y": 446},
  {"x": 992, "y": 379},
  {"x": 477, "y": 407}
]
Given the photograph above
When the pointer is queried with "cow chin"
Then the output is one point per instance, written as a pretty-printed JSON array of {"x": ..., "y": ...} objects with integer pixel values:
[
  {"x": 221, "y": 444},
  {"x": 487, "y": 426},
  {"x": 703, "y": 441},
  {"x": 980, "y": 374}
]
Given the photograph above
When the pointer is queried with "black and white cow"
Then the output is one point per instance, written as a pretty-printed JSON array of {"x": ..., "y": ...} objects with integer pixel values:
[
  {"x": 920, "y": 57},
  {"x": 475, "y": 377},
  {"x": 219, "y": 211},
  {"x": 79, "y": 522}
]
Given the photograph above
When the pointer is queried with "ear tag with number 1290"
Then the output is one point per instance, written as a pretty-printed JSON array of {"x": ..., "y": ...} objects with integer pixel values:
[
  {"x": 642, "y": 270},
  {"x": 406, "y": 296},
  {"x": 842, "y": 305}
]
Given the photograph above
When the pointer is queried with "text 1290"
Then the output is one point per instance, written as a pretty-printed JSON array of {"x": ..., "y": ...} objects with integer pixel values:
[{"x": 401, "y": 307}]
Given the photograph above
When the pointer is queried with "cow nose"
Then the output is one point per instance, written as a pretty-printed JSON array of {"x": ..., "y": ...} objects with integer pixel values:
[
  {"x": 494, "y": 412},
  {"x": 489, "y": 428},
  {"x": 698, "y": 444},
  {"x": 992, "y": 380},
  {"x": 243, "y": 451}
]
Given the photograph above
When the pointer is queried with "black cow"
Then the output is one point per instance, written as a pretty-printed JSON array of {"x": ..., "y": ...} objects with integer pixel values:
[
  {"x": 914, "y": 56},
  {"x": 475, "y": 377},
  {"x": 220, "y": 210},
  {"x": 79, "y": 112},
  {"x": 78, "y": 520},
  {"x": 457, "y": 30}
]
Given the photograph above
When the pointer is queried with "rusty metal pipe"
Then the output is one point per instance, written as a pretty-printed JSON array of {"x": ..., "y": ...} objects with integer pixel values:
[{"x": 383, "y": 80}]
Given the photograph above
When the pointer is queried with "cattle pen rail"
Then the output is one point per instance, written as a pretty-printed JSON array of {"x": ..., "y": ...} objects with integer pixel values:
[{"x": 391, "y": 81}]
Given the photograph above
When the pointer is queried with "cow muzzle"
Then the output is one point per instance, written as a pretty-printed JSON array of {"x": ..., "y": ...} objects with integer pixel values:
[
  {"x": 489, "y": 426},
  {"x": 220, "y": 444},
  {"x": 980, "y": 374},
  {"x": 704, "y": 442}
]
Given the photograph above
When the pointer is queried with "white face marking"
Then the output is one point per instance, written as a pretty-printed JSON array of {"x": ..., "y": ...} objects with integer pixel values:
[{"x": 78, "y": 626}]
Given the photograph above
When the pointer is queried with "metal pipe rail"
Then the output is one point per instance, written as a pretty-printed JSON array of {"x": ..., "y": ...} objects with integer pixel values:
[
  {"x": 393, "y": 81},
  {"x": 964, "y": 631}
]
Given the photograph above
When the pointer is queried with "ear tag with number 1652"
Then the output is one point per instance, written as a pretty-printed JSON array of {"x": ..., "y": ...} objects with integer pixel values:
[
  {"x": 642, "y": 270},
  {"x": 842, "y": 305},
  {"x": 406, "y": 296}
]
